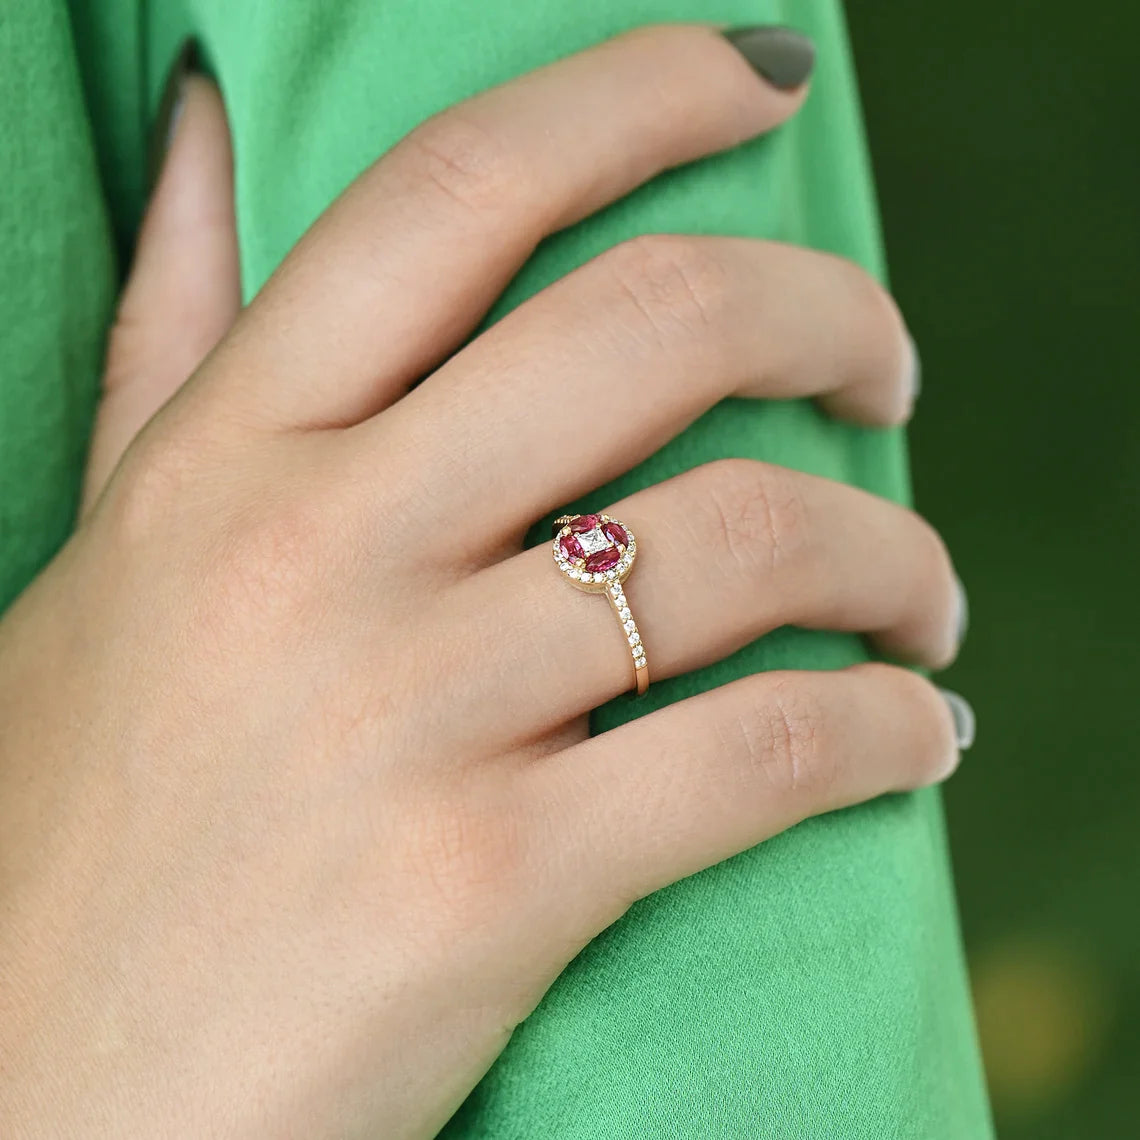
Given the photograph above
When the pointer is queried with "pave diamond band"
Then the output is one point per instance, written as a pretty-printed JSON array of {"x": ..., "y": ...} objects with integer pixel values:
[{"x": 596, "y": 553}]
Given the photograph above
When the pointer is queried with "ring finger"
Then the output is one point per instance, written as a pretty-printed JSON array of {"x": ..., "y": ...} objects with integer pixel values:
[{"x": 726, "y": 553}]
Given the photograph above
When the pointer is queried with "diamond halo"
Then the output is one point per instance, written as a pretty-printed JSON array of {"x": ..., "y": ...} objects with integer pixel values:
[{"x": 594, "y": 551}]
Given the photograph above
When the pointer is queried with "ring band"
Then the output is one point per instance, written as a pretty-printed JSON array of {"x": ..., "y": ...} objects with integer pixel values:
[{"x": 596, "y": 553}]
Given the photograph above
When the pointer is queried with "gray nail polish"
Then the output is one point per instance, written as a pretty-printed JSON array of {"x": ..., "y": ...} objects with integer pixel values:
[
  {"x": 915, "y": 369},
  {"x": 963, "y": 714},
  {"x": 780, "y": 55},
  {"x": 963, "y": 610}
]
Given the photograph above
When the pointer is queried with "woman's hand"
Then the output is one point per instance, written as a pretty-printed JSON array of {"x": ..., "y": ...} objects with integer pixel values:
[{"x": 298, "y": 808}]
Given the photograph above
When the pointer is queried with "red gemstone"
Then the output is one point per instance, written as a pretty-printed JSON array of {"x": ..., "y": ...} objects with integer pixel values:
[
  {"x": 603, "y": 559},
  {"x": 584, "y": 523},
  {"x": 615, "y": 532},
  {"x": 571, "y": 547}
]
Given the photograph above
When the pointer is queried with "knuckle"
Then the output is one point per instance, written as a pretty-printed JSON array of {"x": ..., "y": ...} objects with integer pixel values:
[
  {"x": 676, "y": 285},
  {"x": 266, "y": 566},
  {"x": 760, "y": 514},
  {"x": 934, "y": 579},
  {"x": 150, "y": 484},
  {"x": 882, "y": 328},
  {"x": 470, "y": 854},
  {"x": 933, "y": 553},
  {"x": 877, "y": 308},
  {"x": 933, "y": 543},
  {"x": 783, "y": 739},
  {"x": 468, "y": 163}
]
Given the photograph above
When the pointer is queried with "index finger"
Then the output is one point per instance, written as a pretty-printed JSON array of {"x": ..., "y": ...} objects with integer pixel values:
[{"x": 403, "y": 265}]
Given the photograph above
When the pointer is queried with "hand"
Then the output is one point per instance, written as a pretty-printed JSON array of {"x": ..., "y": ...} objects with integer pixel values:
[{"x": 298, "y": 808}]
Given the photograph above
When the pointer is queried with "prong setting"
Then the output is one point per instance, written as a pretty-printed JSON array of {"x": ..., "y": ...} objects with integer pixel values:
[{"x": 595, "y": 554}]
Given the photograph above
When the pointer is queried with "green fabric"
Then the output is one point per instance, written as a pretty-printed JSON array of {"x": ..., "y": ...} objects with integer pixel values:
[
  {"x": 57, "y": 286},
  {"x": 812, "y": 987}
]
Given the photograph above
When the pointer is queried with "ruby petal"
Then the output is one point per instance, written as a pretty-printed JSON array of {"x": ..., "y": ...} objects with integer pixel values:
[
  {"x": 571, "y": 547},
  {"x": 603, "y": 559},
  {"x": 615, "y": 532},
  {"x": 584, "y": 523}
]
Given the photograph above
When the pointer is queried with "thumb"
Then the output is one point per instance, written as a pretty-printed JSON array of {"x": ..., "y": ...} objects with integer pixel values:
[{"x": 184, "y": 289}]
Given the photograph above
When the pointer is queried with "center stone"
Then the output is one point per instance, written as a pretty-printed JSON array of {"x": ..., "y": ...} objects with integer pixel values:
[{"x": 592, "y": 541}]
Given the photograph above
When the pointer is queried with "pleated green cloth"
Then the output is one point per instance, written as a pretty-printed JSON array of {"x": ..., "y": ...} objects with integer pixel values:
[{"x": 811, "y": 987}]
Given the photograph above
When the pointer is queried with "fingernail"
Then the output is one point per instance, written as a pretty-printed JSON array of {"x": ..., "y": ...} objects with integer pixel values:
[
  {"x": 170, "y": 108},
  {"x": 175, "y": 114},
  {"x": 964, "y": 721},
  {"x": 915, "y": 370},
  {"x": 963, "y": 610},
  {"x": 782, "y": 56}
]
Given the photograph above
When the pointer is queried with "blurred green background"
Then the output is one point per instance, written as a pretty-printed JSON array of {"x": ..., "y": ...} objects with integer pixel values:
[{"x": 1006, "y": 141}]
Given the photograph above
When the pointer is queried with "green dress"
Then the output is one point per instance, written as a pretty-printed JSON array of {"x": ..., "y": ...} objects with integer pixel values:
[{"x": 811, "y": 987}]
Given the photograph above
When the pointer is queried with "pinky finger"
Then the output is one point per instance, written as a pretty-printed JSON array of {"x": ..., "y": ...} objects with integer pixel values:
[{"x": 692, "y": 784}]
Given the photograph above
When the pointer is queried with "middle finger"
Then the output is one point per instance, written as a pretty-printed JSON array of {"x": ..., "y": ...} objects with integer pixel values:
[{"x": 598, "y": 371}]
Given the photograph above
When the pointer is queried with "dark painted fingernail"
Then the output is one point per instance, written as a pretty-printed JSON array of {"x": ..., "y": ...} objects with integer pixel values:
[
  {"x": 963, "y": 714},
  {"x": 963, "y": 611},
  {"x": 170, "y": 109},
  {"x": 782, "y": 56}
]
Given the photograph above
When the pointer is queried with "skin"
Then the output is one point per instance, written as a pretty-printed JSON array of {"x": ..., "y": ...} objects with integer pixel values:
[{"x": 299, "y": 815}]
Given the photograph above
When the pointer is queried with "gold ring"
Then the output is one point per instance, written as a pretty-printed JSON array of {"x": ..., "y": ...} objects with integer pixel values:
[{"x": 596, "y": 553}]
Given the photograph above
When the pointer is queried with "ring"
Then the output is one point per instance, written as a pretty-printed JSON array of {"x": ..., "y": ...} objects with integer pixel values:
[{"x": 596, "y": 553}]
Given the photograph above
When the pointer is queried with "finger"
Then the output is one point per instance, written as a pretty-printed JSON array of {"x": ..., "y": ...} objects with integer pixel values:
[
  {"x": 184, "y": 288},
  {"x": 607, "y": 365},
  {"x": 725, "y": 553},
  {"x": 425, "y": 241},
  {"x": 658, "y": 799}
]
